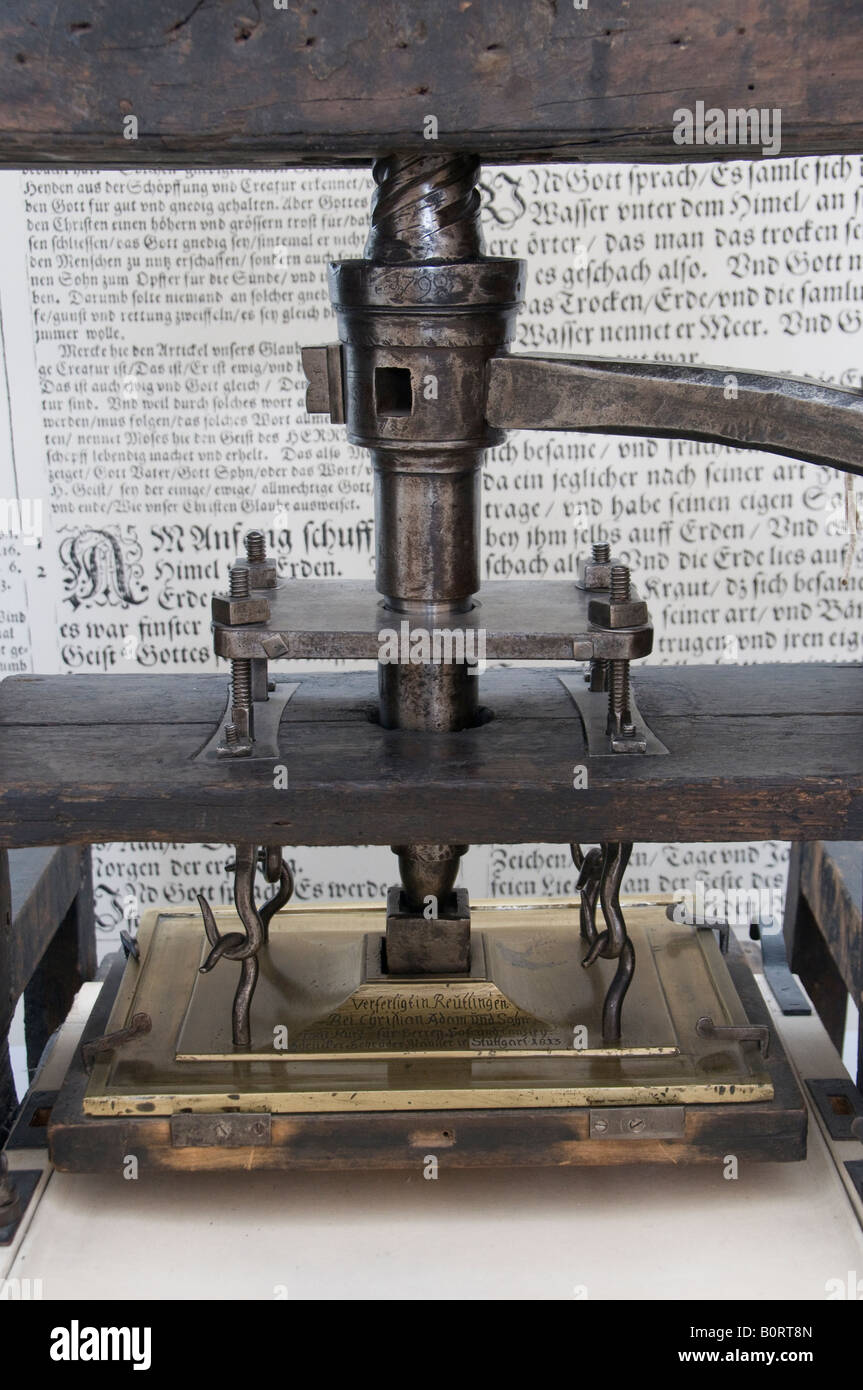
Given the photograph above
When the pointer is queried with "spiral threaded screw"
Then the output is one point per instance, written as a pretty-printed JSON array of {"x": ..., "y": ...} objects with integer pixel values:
[
  {"x": 239, "y": 733},
  {"x": 256, "y": 547},
  {"x": 619, "y": 717}
]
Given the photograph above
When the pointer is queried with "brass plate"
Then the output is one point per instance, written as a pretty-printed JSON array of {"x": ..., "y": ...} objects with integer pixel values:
[
  {"x": 322, "y": 995},
  {"x": 533, "y": 957}
]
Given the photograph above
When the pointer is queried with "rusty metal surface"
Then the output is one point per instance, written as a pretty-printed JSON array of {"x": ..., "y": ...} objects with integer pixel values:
[
  {"x": 418, "y": 321},
  {"x": 139, "y": 1024},
  {"x": 734, "y": 1032},
  {"x": 189, "y": 1131},
  {"x": 440, "y": 944},
  {"x": 530, "y": 620},
  {"x": 592, "y": 706},
  {"x": 747, "y": 410},
  {"x": 245, "y": 946}
]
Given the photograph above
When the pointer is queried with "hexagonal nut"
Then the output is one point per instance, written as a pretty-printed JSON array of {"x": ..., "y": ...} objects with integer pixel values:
[
  {"x": 262, "y": 574},
  {"x": 603, "y": 613},
  {"x": 595, "y": 574},
  {"x": 236, "y": 612}
]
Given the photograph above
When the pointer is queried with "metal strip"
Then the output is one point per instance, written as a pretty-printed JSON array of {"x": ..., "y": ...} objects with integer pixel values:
[
  {"x": 777, "y": 972},
  {"x": 638, "y": 1122},
  {"x": 592, "y": 707},
  {"x": 239, "y": 1131},
  {"x": 268, "y": 717}
]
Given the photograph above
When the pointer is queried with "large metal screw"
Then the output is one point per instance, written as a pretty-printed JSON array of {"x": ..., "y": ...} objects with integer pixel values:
[
  {"x": 239, "y": 733},
  {"x": 256, "y": 555},
  {"x": 597, "y": 676},
  {"x": 619, "y": 718}
]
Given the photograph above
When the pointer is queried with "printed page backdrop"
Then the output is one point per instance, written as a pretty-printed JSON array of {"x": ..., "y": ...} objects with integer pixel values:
[{"x": 152, "y": 411}]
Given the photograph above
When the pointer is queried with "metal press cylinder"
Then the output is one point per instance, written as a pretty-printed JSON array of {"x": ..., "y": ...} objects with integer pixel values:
[{"x": 419, "y": 319}]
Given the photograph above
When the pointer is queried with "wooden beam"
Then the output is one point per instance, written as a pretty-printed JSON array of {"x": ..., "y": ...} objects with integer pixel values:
[
  {"x": 45, "y": 883},
  {"x": 770, "y": 752},
  {"x": 237, "y": 82}
]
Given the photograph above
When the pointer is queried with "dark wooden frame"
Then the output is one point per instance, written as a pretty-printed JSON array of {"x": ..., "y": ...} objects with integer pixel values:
[
  {"x": 210, "y": 84},
  {"x": 47, "y": 949},
  {"x": 756, "y": 753}
]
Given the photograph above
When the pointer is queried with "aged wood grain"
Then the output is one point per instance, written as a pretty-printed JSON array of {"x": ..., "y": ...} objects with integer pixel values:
[
  {"x": 757, "y": 753},
  {"x": 240, "y": 82}
]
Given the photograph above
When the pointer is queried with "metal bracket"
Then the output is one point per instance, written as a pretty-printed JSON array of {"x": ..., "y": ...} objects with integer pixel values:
[
  {"x": 268, "y": 716},
  {"x": 223, "y": 1131},
  {"x": 592, "y": 706},
  {"x": 98, "y": 1047},
  {"x": 325, "y": 393},
  {"x": 638, "y": 1122},
  {"x": 840, "y": 1106},
  {"x": 735, "y": 1032},
  {"x": 786, "y": 991}
]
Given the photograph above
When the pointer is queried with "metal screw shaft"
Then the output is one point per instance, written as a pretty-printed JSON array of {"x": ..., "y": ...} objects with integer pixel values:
[
  {"x": 256, "y": 546},
  {"x": 620, "y": 583},
  {"x": 597, "y": 678},
  {"x": 240, "y": 584},
  {"x": 241, "y": 669},
  {"x": 619, "y": 718}
]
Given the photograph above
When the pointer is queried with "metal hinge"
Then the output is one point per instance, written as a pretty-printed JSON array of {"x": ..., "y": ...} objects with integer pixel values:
[
  {"x": 223, "y": 1131},
  {"x": 638, "y": 1122}
]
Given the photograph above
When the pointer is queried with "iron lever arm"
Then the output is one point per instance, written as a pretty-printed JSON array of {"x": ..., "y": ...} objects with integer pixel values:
[{"x": 746, "y": 410}]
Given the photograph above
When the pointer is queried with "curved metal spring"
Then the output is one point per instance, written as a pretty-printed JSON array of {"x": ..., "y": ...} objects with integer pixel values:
[
  {"x": 244, "y": 946},
  {"x": 600, "y": 877}
]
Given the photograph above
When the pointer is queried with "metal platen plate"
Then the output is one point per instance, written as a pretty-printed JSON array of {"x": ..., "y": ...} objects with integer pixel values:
[
  {"x": 532, "y": 620},
  {"x": 330, "y": 1033}
]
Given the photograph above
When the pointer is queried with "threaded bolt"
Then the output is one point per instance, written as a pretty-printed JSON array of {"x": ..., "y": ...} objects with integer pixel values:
[
  {"x": 256, "y": 547},
  {"x": 618, "y": 696},
  {"x": 619, "y": 718},
  {"x": 241, "y": 670},
  {"x": 620, "y": 584},
  {"x": 601, "y": 552},
  {"x": 241, "y": 682},
  {"x": 240, "y": 583}
]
